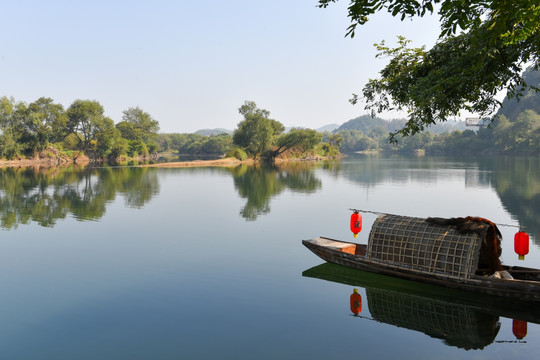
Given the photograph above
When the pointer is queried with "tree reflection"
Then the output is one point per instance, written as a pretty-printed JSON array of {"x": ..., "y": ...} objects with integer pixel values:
[
  {"x": 517, "y": 182},
  {"x": 515, "y": 179},
  {"x": 258, "y": 184},
  {"x": 46, "y": 195}
]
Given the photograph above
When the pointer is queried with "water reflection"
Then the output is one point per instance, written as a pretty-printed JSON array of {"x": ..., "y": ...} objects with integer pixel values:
[
  {"x": 517, "y": 182},
  {"x": 515, "y": 179},
  {"x": 46, "y": 195},
  {"x": 258, "y": 184},
  {"x": 463, "y": 320}
]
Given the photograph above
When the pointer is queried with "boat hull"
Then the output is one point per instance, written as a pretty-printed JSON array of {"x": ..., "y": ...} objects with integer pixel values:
[{"x": 527, "y": 290}]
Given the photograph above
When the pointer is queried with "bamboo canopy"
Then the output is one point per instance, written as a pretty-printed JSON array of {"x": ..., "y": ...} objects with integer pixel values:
[{"x": 416, "y": 244}]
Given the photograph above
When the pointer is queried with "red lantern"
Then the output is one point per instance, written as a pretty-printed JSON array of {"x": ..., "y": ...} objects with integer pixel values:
[
  {"x": 519, "y": 328},
  {"x": 521, "y": 244},
  {"x": 356, "y": 302},
  {"x": 356, "y": 223}
]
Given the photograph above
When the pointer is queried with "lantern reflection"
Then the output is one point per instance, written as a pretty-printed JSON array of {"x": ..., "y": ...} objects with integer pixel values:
[
  {"x": 519, "y": 328},
  {"x": 356, "y": 302}
]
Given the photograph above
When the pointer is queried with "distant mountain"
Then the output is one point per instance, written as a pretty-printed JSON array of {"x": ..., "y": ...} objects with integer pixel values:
[
  {"x": 329, "y": 128},
  {"x": 448, "y": 126},
  {"x": 512, "y": 108},
  {"x": 374, "y": 125},
  {"x": 210, "y": 132},
  {"x": 368, "y": 124}
]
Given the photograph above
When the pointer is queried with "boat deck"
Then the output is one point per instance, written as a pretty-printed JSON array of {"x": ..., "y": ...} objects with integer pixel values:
[{"x": 347, "y": 247}]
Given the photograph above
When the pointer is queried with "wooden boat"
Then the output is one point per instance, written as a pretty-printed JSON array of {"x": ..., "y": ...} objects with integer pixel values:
[{"x": 433, "y": 252}]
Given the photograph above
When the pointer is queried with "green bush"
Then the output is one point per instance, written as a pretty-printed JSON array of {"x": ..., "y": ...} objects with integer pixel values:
[
  {"x": 137, "y": 148},
  {"x": 152, "y": 147},
  {"x": 327, "y": 149},
  {"x": 237, "y": 153}
]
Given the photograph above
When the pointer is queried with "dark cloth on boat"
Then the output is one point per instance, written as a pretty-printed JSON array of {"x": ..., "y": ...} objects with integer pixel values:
[{"x": 490, "y": 251}]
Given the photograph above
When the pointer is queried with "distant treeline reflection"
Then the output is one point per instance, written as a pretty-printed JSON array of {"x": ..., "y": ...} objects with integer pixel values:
[{"x": 46, "y": 195}]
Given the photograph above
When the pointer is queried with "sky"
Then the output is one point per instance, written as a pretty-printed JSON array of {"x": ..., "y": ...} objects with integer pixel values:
[{"x": 192, "y": 64}]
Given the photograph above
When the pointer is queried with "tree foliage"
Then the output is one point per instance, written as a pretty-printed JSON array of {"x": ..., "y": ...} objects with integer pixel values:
[
  {"x": 195, "y": 144},
  {"x": 303, "y": 139},
  {"x": 263, "y": 137},
  {"x": 138, "y": 125},
  {"x": 86, "y": 120},
  {"x": 257, "y": 132},
  {"x": 29, "y": 129},
  {"x": 482, "y": 49},
  {"x": 10, "y": 126},
  {"x": 529, "y": 101},
  {"x": 42, "y": 122}
]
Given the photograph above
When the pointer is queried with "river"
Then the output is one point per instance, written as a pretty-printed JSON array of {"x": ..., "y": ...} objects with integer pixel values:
[{"x": 204, "y": 263}]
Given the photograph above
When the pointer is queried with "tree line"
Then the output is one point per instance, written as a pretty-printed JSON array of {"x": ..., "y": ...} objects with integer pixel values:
[
  {"x": 82, "y": 128},
  {"x": 514, "y": 130},
  {"x": 27, "y": 130},
  {"x": 257, "y": 136},
  {"x": 503, "y": 136}
]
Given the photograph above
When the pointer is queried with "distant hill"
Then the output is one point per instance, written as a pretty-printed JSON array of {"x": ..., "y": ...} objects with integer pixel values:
[
  {"x": 329, "y": 128},
  {"x": 369, "y": 125},
  {"x": 511, "y": 108},
  {"x": 449, "y": 126},
  {"x": 210, "y": 132}
]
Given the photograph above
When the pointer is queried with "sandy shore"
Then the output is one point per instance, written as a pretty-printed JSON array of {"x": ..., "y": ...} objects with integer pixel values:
[
  {"x": 228, "y": 162},
  {"x": 46, "y": 163}
]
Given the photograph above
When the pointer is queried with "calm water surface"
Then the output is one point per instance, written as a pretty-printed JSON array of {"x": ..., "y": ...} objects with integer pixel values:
[{"x": 207, "y": 263}]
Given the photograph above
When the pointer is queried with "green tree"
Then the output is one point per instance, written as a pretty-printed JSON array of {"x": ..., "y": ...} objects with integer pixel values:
[
  {"x": 257, "y": 132},
  {"x": 501, "y": 133},
  {"x": 138, "y": 125},
  {"x": 529, "y": 101},
  {"x": 335, "y": 139},
  {"x": 524, "y": 129},
  {"x": 464, "y": 70},
  {"x": 137, "y": 148},
  {"x": 10, "y": 125},
  {"x": 86, "y": 120},
  {"x": 216, "y": 144},
  {"x": 110, "y": 142},
  {"x": 303, "y": 139},
  {"x": 43, "y": 122}
]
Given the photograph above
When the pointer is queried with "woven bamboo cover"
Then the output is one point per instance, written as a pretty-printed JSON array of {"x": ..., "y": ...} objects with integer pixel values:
[{"x": 405, "y": 242}]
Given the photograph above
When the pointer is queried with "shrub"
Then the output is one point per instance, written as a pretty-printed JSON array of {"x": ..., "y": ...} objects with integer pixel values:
[
  {"x": 137, "y": 148},
  {"x": 237, "y": 153}
]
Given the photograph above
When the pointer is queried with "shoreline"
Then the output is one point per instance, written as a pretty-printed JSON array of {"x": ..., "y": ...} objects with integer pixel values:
[
  {"x": 228, "y": 162},
  {"x": 83, "y": 161}
]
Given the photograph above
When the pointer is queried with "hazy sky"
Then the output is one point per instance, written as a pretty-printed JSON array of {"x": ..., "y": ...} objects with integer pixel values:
[{"x": 192, "y": 64}]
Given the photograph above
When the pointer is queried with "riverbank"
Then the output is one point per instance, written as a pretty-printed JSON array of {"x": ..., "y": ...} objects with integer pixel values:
[
  {"x": 45, "y": 161},
  {"x": 48, "y": 162},
  {"x": 227, "y": 162}
]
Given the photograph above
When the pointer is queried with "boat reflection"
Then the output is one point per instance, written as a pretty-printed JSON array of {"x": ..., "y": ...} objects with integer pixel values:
[{"x": 460, "y": 319}]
